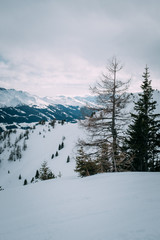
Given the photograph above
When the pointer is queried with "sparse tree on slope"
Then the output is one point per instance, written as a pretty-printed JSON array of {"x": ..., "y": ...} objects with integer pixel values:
[
  {"x": 143, "y": 138},
  {"x": 105, "y": 125}
]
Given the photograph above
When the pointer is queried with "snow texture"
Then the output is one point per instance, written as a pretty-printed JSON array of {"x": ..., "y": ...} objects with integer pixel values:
[
  {"x": 113, "y": 206},
  {"x": 117, "y": 206}
]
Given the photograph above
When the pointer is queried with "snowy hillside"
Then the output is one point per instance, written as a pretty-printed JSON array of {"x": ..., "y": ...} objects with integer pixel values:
[
  {"x": 41, "y": 143},
  {"x": 116, "y": 206}
]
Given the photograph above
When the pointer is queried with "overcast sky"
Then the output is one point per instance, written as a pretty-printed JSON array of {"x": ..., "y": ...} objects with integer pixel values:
[{"x": 60, "y": 47}]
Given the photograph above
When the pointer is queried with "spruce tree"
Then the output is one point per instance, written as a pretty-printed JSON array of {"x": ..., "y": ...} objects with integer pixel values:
[
  {"x": 142, "y": 134},
  {"x": 84, "y": 165},
  {"x": 37, "y": 174},
  {"x": 45, "y": 172},
  {"x": 68, "y": 159},
  {"x": 25, "y": 182}
]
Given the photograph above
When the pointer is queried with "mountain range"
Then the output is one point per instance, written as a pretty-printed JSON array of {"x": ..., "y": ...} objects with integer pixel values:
[{"x": 17, "y": 107}]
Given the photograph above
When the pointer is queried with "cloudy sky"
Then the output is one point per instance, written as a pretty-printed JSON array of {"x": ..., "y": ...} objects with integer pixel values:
[{"x": 57, "y": 47}]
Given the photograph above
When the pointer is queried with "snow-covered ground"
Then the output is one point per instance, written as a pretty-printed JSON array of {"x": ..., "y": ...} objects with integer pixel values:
[
  {"x": 43, "y": 141},
  {"x": 115, "y": 206},
  {"x": 112, "y": 206}
]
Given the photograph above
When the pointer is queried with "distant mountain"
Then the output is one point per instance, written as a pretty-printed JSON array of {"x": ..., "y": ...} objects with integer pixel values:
[
  {"x": 18, "y": 107},
  {"x": 14, "y": 98}
]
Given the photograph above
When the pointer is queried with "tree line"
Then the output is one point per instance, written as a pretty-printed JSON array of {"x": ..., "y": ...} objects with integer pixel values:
[{"x": 110, "y": 147}]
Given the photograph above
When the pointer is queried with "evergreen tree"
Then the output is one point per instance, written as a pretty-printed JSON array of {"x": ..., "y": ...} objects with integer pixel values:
[
  {"x": 68, "y": 159},
  {"x": 37, "y": 174},
  {"x": 59, "y": 147},
  {"x": 56, "y": 154},
  {"x": 32, "y": 180},
  {"x": 24, "y": 146},
  {"x": 142, "y": 135},
  {"x": 25, "y": 182},
  {"x": 18, "y": 152},
  {"x": 45, "y": 172},
  {"x": 12, "y": 156},
  {"x": 84, "y": 165}
]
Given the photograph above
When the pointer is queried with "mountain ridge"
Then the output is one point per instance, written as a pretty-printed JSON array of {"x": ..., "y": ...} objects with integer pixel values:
[
  {"x": 18, "y": 107},
  {"x": 14, "y": 98}
]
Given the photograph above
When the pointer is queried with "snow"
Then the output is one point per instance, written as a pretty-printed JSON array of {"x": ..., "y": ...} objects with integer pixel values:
[
  {"x": 43, "y": 142},
  {"x": 113, "y": 206},
  {"x": 13, "y": 98},
  {"x": 117, "y": 206}
]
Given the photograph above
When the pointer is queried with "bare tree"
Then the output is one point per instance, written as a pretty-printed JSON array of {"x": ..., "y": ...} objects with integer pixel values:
[{"x": 105, "y": 126}]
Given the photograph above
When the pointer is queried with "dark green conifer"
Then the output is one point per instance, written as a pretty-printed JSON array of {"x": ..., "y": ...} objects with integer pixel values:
[
  {"x": 84, "y": 165},
  {"x": 25, "y": 182},
  {"x": 37, "y": 174},
  {"x": 142, "y": 135},
  {"x": 56, "y": 154},
  {"x": 68, "y": 159}
]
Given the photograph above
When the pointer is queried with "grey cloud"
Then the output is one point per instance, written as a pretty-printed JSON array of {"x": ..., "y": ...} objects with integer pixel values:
[{"x": 41, "y": 37}]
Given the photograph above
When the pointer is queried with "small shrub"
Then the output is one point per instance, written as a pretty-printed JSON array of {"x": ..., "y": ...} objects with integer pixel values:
[
  {"x": 25, "y": 182},
  {"x": 56, "y": 154},
  {"x": 68, "y": 159}
]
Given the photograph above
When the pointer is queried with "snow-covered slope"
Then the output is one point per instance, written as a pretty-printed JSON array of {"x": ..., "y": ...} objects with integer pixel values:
[
  {"x": 115, "y": 206},
  {"x": 13, "y": 98},
  {"x": 18, "y": 107},
  {"x": 42, "y": 142}
]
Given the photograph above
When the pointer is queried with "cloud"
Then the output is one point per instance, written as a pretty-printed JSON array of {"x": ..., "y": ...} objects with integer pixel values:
[{"x": 64, "y": 45}]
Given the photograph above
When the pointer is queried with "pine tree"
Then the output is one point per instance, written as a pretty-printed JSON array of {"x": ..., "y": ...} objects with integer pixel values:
[
  {"x": 45, "y": 172},
  {"x": 68, "y": 159},
  {"x": 37, "y": 174},
  {"x": 84, "y": 165},
  {"x": 142, "y": 135},
  {"x": 59, "y": 147},
  {"x": 25, "y": 182},
  {"x": 18, "y": 152},
  {"x": 32, "y": 180},
  {"x": 24, "y": 146},
  {"x": 12, "y": 156}
]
